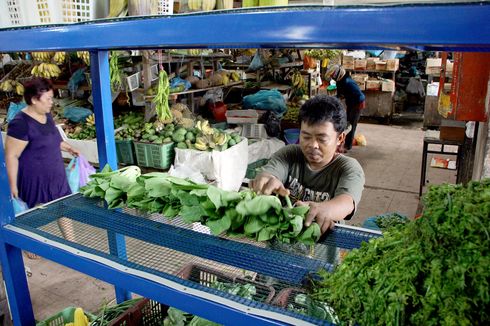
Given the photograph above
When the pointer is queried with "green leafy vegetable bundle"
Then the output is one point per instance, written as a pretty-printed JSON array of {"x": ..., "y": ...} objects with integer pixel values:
[
  {"x": 433, "y": 271},
  {"x": 236, "y": 213}
]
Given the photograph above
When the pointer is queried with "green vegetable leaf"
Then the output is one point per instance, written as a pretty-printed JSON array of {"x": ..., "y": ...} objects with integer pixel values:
[
  {"x": 311, "y": 234},
  {"x": 191, "y": 214},
  {"x": 254, "y": 224},
  {"x": 219, "y": 226}
]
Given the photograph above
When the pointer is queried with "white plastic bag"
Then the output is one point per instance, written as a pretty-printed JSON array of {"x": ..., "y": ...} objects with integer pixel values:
[{"x": 227, "y": 168}]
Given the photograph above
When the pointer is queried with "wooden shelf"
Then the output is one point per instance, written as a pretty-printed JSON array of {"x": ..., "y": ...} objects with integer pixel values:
[
  {"x": 197, "y": 90},
  {"x": 379, "y": 71}
]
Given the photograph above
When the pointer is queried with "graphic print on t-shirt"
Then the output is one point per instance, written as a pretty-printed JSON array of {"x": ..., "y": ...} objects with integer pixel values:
[{"x": 305, "y": 194}]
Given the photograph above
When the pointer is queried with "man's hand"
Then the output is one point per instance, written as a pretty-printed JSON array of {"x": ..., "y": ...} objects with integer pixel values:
[
  {"x": 318, "y": 213},
  {"x": 266, "y": 184}
]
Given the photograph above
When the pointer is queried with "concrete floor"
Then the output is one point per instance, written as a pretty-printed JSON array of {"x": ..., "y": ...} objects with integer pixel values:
[{"x": 391, "y": 162}]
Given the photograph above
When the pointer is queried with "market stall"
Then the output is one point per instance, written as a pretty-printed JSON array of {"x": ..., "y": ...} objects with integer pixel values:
[{"x": 107, "y": 257}]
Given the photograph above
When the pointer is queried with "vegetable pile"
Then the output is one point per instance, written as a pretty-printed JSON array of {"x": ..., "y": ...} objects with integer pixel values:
[
  {"x": 236, "y": 213},
  {"x": 433, "y": 271},
  {"x": 110, "y": 313}
]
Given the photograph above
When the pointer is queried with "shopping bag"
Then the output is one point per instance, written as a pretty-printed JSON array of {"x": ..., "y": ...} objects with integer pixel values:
[
  {"x": 19, "y": 206},
  {"x": 73, "y": 175},
  {"x": 85, "y": 169}
]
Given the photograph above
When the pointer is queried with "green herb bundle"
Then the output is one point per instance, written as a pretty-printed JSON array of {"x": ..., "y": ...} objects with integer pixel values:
[
  {"x": 235, "y": 213},
  {"x": 433, "y": 271}
]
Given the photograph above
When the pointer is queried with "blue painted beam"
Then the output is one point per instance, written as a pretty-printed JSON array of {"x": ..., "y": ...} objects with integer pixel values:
[
  {"x": 208, "y": 309},
  {"x": 459, "y": 26},
  {"x": 11, "y": 257}
]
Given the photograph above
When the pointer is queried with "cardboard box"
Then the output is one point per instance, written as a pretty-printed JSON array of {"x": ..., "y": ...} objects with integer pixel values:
[
  {"x": 380, "y": 65},
  {"x": 433, "y": 66},
  {"x": 388, "y": 86},
  {"x": 392, "y": 64},
  {"x": 348, "y": 66},
  {"x": 373, "y": 85},
  {"x": 360, "y": 78},
  {"x": 347, "y": 59},
  {"x": 371, "y": 63},
  {"x": 360, "y": 64}
]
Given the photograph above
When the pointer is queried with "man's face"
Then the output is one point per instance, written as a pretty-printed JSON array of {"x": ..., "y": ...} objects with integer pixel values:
[{"x": 319, "y": 143}]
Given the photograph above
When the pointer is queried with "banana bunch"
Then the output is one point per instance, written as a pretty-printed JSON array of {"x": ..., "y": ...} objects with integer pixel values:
[
  {"x": 194, "y": 51},
  {"x": 235, "y": 76},
  {"x": 210, "y": 142},
  {"x": 85, "y": 56},
  {"x": 46, "y": 70},
  {"x": 204, "y": 127},
  {"x": 59, "y": 57},
  {"x": 42, "y": 56},
  {"x": 12, "y": 85},
  {"x": 194, "y": 5},
  {"x": 297, "y": 80},
  {"x": 90, "y": 120}
]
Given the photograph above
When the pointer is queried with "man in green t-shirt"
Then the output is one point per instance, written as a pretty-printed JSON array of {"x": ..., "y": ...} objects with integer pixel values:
[{"x": 313, "y": 172}]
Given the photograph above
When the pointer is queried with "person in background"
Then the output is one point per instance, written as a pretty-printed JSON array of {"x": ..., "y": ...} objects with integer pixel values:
[
  {"x": 415, "y": 91},
  {"x": 348, "y": 89},
  {"x": 35, "y": 167},
  {"x": 314, "y": 172}
]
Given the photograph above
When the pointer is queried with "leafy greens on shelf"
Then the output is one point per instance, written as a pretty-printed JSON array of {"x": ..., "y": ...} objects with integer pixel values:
[{"x": 238, "y": 214}]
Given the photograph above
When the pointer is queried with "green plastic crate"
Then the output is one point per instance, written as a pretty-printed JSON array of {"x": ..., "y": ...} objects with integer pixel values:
[
  {"x": 253, "y": 168},
  {"x": 63, "y": 317},
  {"x": 159, "y": 156},
  {"x": 125, "y": 152}
]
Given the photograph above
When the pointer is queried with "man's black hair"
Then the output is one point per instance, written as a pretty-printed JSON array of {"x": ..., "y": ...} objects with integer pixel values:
[{"x": 324, "y": 108}]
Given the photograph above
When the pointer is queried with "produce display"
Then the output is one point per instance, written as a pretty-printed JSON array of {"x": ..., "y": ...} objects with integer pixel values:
[
  {"x": 85, "y": 56},
  {"x": 161, "y": 98},
  {"x": 9, "y": 85},
  {"x": 239, "y": 214},
  {"x": 129, "y": 126},
  {"x": 81, "y": 131},
  {"x": 79, "y": 318},
  {"x": 110, "y": 313},
  {"x": 114, "y": 73},
  {"x": 432, "y": 271}
]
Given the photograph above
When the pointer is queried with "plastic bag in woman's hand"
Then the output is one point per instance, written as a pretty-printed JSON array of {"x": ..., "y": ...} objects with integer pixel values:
[
  {"x": 85, "y": 169},
  {"x": 73, "y": 175},
  {"x": 19, "y": 206}
]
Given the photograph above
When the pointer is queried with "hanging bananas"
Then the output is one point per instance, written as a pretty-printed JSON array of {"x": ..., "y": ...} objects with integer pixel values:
[
  {"x": 297, "y": 80},
  {"x": 46, "y": 70},
  {"x": 42, "y": 56},
  {"x": 59, "y": 58},
  {"x": 85, "y": 56},
  {"x": 11, "y": 86}
]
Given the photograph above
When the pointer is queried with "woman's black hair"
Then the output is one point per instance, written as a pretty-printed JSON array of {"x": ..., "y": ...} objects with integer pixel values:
[
  {"x": 35, "y": 87},
  {"x": 324, "y": 108}
]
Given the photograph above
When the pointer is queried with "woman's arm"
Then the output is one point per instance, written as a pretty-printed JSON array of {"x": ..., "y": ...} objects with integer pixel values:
[
  {"x": 13, "y": 149},
  {"x": 65, "y": 147}
]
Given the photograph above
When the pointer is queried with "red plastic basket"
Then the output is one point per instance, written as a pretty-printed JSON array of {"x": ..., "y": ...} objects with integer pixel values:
[
  {"x": 207, "y": 276},
  {"x": 145, "y": 313}
]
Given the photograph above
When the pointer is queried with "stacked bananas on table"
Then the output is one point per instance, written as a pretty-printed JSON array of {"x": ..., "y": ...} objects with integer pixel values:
[
  {"x": 85, "y": 56},
  {"x": 90, "y": 120},
  {"x": 46, "y": 70},
  {"x": 12, "y": 86},
  {"x": 210, "y": 138}
]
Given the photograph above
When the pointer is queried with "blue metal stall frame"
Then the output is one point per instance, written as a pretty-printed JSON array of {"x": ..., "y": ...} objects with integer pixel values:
[{"x": 435, "y": 27}]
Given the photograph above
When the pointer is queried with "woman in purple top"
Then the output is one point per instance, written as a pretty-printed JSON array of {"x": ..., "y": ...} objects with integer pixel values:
[{"x": 33, "y": 148}]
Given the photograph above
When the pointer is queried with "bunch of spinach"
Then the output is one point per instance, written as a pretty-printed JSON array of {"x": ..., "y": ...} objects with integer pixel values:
[
  {"x": 433, "y": 271},
  {"x": 237, "y": 214}
]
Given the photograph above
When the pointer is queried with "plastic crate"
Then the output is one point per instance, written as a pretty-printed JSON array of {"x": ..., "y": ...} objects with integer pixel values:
[
  {"x": 254, "y": 131},
  {"x": 207, "y": 276},
  {"x": 125, "y": 152},
  {"x": 242, "y": 116},
  {"x": 165, "y": 7},
  {"x": 159, "y": 156},
  {"x": 63, "y": 317},
  {"x": 253, "y": 167},
  {"x": 144, "y": 313},
  {"x": 41, "y": 12}
]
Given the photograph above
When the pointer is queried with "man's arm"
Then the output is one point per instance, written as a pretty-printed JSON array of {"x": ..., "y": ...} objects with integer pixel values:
[{"x": 328, "y": 212}]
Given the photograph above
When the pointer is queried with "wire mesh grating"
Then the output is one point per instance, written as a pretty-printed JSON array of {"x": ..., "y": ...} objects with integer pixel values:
[{"x": 172, "y": 249}]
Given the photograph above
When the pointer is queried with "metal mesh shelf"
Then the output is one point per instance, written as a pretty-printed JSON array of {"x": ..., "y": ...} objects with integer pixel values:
[{"x": 167, "y": 248}]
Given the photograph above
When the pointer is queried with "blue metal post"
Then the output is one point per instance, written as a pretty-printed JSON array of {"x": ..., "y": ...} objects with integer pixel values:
[
  {"x": 106, "y": 147},
  {"x": 11, "y": 257}
]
